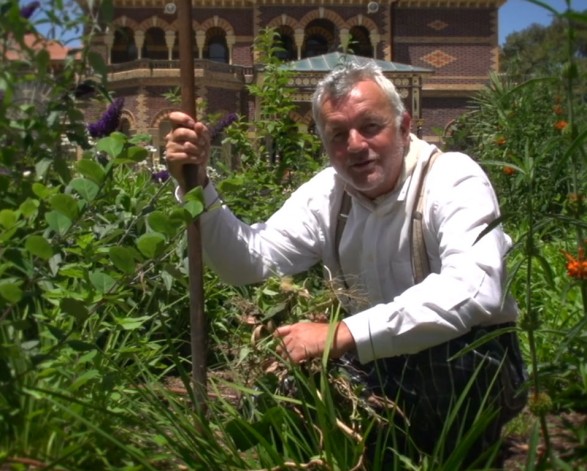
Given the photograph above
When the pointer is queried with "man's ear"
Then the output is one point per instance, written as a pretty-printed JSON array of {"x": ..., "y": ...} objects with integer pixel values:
[{"x": 405, "y": 125}]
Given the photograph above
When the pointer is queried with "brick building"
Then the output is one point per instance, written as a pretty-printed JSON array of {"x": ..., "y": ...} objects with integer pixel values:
[{"x": 442, "y": 52}]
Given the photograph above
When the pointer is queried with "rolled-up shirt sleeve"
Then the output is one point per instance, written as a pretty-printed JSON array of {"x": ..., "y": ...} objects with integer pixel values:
[{"x": 290, "y": 242}]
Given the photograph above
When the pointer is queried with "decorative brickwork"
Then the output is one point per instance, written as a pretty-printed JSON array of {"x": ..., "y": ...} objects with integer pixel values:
[
  {"x": 143, "y": 110},
  {"x": 439, "y": 112},
  {"x": 438, "y": 58},
  {"x": 457, "y": 39},
  {"x": 438, "y": 25}
]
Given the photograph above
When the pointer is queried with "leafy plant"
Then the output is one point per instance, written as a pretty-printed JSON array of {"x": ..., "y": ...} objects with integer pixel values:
[{"x": 527, "y": 136}]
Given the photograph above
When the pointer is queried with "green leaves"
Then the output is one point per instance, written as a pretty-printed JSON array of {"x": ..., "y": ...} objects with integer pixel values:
[
  {"x": 113, "y": 145},
  {"x": 65, "y": 204},
  {"x": 10, "y": 290},
  {"x": 101, "y": 281},
  {"x": 9, "y": 224},
  {"x": 132, "y": 323},
  {"x": 97, "y": 63},
  {"x": 8, "y": 218},
  {"x": 160, "y": 222},
  {"x": 74, "y": 308},
  {"x": 123, "y": 258},
  {"x": 39, "y": 246},
  {"x": 194, "y": 201},
  {"x": 91, "y": 170},
  {"x": 58, "y": 222},
  {"x": 76, "y": 293},
  {"x": 85, "y": 187},
  {"x": 116, "y": 146},
  {"x": 151, "y": 244}
]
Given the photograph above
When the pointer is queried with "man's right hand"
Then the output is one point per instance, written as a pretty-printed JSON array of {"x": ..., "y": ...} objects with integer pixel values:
[{"x": 187, "y": 144}]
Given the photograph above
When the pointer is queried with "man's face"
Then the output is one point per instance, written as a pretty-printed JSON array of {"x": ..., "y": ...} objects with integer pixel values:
[{"x": 362, "y": 141}]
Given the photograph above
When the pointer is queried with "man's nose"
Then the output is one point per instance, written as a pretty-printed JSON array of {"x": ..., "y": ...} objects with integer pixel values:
[{"x": 356, "y": 141}]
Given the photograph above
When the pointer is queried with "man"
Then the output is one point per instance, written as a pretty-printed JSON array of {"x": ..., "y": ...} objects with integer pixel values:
[{"x": 403, "y": 333}]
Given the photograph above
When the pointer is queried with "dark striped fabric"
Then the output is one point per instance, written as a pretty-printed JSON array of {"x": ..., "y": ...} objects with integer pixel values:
[{"x": 448, "y": 385}]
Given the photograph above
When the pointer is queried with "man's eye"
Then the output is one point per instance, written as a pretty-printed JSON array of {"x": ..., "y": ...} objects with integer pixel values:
[
  {"x": 339, "y": 136},
  {"x": 371, "y": 129}
]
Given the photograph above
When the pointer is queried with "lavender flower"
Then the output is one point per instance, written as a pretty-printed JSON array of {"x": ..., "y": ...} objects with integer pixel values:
[
  {"x": 222, "y": 124},
  {"x": 109, "y": 121},
  {"x": 160, "y": 177},
  {"x": 27, "y": 11}
]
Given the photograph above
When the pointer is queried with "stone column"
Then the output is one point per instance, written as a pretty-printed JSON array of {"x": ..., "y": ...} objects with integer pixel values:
[
  {"x": 375, "y": 39},
  {"x": 200, "y": 42},
  {"x": 299, "y": 40},
  {"x": 139, "y": 43},
  {"x": 230, "y": 41},
  {"x": 169, "y": 42},
  {"x": 344, "y": 38},
  {"x": 109, "y": 41}
]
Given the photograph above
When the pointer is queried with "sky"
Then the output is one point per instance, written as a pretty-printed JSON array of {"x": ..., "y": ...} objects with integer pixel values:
[{"x": 516, "y": 15}]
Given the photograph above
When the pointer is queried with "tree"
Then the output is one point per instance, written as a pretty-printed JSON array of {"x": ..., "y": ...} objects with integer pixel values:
[{"x": 542, "y": 50}]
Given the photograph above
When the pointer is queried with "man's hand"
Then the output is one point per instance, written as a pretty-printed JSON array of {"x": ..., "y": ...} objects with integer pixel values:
[
  {"x": 306, "y": 340},
  {"x": 188, "y": 143}
]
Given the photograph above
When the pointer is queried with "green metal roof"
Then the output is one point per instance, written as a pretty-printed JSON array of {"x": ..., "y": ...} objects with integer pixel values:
[{"x": 328, "y": 62}]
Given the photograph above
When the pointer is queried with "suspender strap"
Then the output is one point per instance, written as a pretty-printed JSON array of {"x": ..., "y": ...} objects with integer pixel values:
[
  {"x": 343, "y": 215},
  {"x": 420, "y": 262}
]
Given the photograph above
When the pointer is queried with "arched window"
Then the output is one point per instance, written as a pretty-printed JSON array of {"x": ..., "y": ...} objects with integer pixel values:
[
  {"x": 360, "y": 43},
  {"x": 316, "y": 45},
  {"x": 125, "y": 126},
  {"x": 285, "y": 43},
  {"x": 123, "y": 48},
  {"x": 216, "y": 48},
  {"x": 155, "y": 47},
  {"x": 319, "y": 38}
]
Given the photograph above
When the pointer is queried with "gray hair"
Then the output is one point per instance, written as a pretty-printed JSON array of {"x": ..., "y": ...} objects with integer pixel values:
[{"x": 339, "y": 83}]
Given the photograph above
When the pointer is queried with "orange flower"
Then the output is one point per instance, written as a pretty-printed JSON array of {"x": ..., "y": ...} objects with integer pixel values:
[
  {"x": 575, "y": 202},
  {"x": 558, "y": 109},
  {"x": 560, "y": 125},
  {"x": 576, "y": 267},
  {"x": 507, "y": 170},
  {"x": 500, "y": 141},
  {"x": 575, "y": 199}
]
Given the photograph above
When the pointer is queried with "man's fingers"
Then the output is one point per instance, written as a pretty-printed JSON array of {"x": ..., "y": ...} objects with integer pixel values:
[
  {"x": 179, "y": 119},
  {"x": 282, "y": 331},
  {"x": 185, "y": 144},
  {"x": 188, "y": 143},
  {"x": 181, "y": 135},
  {"x": 289, "y": 347}
]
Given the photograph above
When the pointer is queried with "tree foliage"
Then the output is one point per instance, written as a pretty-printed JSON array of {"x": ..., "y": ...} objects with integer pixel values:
[{"x": 541, "y": 50}]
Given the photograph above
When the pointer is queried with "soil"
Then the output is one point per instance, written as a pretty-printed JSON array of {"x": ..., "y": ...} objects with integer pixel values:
[{"x": 568, "y": 439}]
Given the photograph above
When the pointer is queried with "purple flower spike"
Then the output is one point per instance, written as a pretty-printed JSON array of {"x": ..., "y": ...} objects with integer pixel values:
[
  {"x": 160, "y": 177},
  {"x": 109, "y": 121},
  {"x": 27, "y": 11},
  {"x": 223, "y": 124}
]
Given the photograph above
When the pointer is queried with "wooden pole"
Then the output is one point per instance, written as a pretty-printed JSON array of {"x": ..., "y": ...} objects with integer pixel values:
[{"x": 194, "y": 176}]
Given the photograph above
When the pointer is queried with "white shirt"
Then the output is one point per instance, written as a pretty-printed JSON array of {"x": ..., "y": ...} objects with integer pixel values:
[{"x": 465, "y": 288}]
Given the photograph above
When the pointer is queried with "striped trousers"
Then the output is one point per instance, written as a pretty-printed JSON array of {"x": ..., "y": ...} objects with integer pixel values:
[{"x": 441, "y": 390}]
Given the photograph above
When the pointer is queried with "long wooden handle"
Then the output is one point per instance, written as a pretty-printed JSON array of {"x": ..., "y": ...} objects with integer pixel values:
[{"x": 194, "y": 176}]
